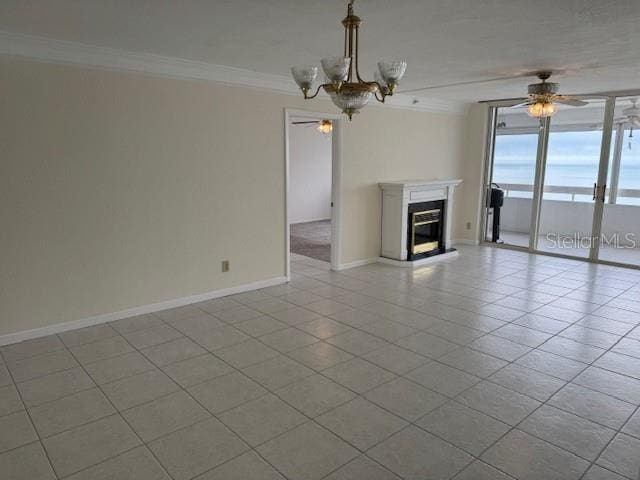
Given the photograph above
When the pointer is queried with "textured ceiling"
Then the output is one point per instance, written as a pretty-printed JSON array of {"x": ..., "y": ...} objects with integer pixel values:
[{"x": 595, "y": 43}]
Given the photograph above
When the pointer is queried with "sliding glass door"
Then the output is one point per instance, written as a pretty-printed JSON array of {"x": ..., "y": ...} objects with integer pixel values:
[
  {"x": 620, "y": 231},
  {"x": 568, "y": 185},
  {"x": 570, "y": 173},
  {"x": 508, "y": 215}
]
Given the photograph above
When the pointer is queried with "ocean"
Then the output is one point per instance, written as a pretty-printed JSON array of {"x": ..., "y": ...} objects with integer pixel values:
[
  {"x": 572, "y": 160},
  {"x": 558, "y": 174}
]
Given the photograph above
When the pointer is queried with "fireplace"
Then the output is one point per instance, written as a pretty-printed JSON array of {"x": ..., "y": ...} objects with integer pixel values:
[
  {"x": 417, "y": 222},
  {"x": 425, "y": 229}
]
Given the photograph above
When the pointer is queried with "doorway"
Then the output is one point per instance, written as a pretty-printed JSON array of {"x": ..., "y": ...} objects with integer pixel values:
[
  {"x": 559, "y": 185},
  {"x": 312, "y": 173}
]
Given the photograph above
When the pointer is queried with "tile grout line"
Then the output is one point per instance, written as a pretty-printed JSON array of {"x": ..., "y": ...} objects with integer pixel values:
[
  {"x": 33, "y": 426},
  {"x": 359, "y": 356},
  {"x": 615, "y": 435},
  {"x": 119, "y": 414}
]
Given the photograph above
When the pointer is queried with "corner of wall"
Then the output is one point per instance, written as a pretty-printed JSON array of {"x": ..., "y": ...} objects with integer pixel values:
[{"x": 467, "y": 226}]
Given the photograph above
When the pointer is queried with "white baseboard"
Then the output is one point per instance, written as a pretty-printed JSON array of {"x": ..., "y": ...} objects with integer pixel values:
[
  {"x": 132, "y": 312},
  {"x": 465, "y": 241},
  {"x": 357, "y": 263},
  {"x": 421, "y": 262}
]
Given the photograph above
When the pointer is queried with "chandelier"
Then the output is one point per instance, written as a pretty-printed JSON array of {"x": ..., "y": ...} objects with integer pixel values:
[{"x": 348, "y": 91}]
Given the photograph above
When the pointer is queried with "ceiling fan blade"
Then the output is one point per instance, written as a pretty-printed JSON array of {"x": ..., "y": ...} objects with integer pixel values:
[
  {"x": 573, "y": 102},
  {"x": 632, "y": 121},
  {"x": 524, "y": 104},
  {"x": 306, "y": 122}
]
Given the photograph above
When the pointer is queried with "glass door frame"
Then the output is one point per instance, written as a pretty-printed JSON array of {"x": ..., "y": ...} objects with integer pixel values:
[
  {"x": 601, "y": 182},
  {"x": 538, "y": 183},
  {"x": 538, "y": 187}
]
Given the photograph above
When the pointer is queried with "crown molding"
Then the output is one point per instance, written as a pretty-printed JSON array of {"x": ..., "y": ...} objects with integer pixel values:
[{"x": 65, "y": 52}]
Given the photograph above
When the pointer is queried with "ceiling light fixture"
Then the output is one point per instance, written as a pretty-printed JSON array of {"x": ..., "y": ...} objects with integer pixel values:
[
  {"x": 325, "y": 126},
  {"x": 541, "y": 109},
  {"x": 544, "y": 97},
  {"x": 345, "y": 86}
]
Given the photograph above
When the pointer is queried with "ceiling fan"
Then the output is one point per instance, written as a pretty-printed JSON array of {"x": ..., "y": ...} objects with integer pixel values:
[
  {"x": 630, "y": 114},
  {"x": 544, "y": 97},
  {"x": 323, "y": 126}
]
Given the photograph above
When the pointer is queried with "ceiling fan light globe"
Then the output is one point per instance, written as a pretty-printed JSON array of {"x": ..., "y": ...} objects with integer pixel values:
[
  {"x": 325, "y": 126},
  {"x": 541, "y": 109}
]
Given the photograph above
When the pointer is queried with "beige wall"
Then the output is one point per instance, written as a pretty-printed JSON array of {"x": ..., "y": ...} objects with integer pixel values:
[
  {"x": 119, "y": 190},
  {"x": 385, "y": 145},
  {"x": 309, "y": 173},
  {"x": 469, "y": 200}
]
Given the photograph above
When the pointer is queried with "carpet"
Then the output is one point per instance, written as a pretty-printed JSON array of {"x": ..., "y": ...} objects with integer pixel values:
[{"x": 312, "y": 239}]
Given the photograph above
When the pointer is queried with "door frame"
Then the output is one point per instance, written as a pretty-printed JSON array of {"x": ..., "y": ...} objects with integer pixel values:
[{"x": 336, "y": 182}]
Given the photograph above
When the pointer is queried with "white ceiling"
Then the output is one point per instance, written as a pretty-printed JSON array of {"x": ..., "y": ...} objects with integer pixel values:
[{"x": 595, "y": 42}]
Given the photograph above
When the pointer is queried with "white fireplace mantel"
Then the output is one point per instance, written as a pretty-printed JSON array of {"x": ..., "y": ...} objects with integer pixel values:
[{"x": 396, "y": 197}]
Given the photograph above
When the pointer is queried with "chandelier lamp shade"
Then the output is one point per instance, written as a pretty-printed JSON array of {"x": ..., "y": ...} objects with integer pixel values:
[{"x": 344, "y": 85}]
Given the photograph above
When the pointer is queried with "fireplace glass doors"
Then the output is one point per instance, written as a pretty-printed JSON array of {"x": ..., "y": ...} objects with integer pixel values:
[{"x": 425, "y": 229}]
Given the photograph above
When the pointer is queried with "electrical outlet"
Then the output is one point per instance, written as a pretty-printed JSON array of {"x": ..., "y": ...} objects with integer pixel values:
[
  {"x": 225, "y": 265},
  {"x": 468, "y": 225}
]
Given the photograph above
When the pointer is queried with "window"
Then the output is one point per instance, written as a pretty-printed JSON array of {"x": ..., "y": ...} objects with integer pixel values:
[
  {"x": 629, "y": 179},
  {"x": 514, "y": 163}
]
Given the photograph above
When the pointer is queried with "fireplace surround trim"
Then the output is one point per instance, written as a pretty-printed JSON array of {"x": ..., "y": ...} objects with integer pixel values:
[{"x": 396, "y": 198}]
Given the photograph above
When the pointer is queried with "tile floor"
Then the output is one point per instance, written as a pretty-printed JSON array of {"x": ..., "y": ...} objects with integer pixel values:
[
  {"x": 610, "y": 253},
  {"x": 498, "y": 365}
]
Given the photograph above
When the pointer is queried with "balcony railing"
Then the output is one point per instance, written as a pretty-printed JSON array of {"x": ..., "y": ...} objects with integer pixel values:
[{"x": 572, "y": 191}]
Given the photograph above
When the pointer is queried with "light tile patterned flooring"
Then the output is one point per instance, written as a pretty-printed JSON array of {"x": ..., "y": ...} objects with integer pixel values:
[
  {"x": 610, "y": 253},
  {"x": 497, "y": 365}
]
